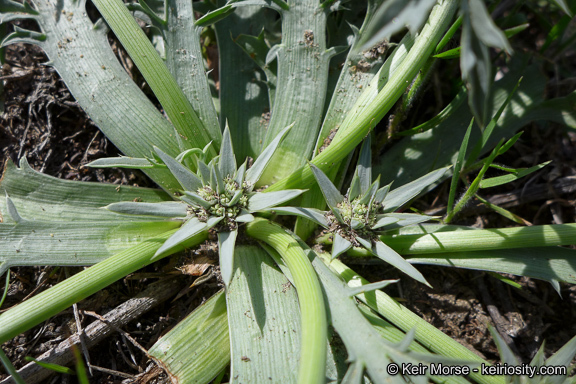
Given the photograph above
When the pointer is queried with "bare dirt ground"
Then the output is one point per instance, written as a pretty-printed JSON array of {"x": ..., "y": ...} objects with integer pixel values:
[{"x": 42, "y": 122}]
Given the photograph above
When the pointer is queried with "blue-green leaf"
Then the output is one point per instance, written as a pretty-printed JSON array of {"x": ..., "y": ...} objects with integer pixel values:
[
  {"x": 390, "y": 256},
  {"x": 227, "y": 161},
  {"x": 196, "y": 199},
  {"x": 260, "y": 201},
  {"x": 312, "y": 214},
  {"x": 122, "y": 162},
  {"x": 253, "y": 174},
  {"x": 226, "y": 242},
  {"x": 400, "y": 196},
  {"x": 330, "y": 192},
  {"x": 404, "y": 220},
  {"x": 187, "y": 179},
  {"x": 364, "y": 167},
  {"x": 240, "y": 174},
  {"x": 12, "y": 211},
  {"x": 340, "y": 245},
  {"x": 383, "y": 220},
  {"x": 164, "y": 209},
  {"x": 244, "y": 217},
  {"x": 370, "y": 193},
  {"x": 353, "y": 291},
  {"x": 204, "y": 172},
  {"x": 187, "y": 231},
  {"x": 382, "y": 193}
]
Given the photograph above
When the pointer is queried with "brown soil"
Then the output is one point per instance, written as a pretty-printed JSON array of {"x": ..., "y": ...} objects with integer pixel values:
[{"x": 42, "y": 123}]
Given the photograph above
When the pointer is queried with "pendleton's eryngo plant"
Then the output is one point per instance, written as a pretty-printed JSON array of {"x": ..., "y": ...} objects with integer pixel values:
[{"x": 219, "y": 197}]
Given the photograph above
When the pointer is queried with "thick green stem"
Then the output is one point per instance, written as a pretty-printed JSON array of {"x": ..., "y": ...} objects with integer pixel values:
[
  {"x": 357, "y": 125},
  {"x": 312, "y": 306},
  {"x": 483, "y": 239},
  {"x": 83, "y": 284}
]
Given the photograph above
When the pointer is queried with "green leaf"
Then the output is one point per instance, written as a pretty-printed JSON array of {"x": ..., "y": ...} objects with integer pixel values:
[
  {"x": 264, "y": 320},
  {"x": 226, "y": 243},
  {"x": 331, "y": 194},
  {"x": 481, "y": 144},
  {"x": 185, "y": 61},
  {"x": 227, "y": 160},
  {"x": 449, "y": 54},
  {"x": 390, "y": 256},
  {"x": 163, "y": 209},
  {"x": 312, "y": 214},
  {"x": 188, "y": 180},
  {"x": 53, "y": 367},
  {"x": 205, "y": 333},
  {"x": 215, "y": 16},
  {"x": 190, "y": 229},
  {"x": 260, "y": 201},
  {"x": 121, "y": 162},
  {"x": 499, "y": 180},
  {"x": 340, "y": 245},
  {"x": 400, "y": 196},
  {"x": 255, "y": 171},
  {"x": 457, "y": 168}
]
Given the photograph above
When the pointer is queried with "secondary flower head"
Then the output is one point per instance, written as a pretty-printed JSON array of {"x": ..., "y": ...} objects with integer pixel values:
[{"x": 357, "y": 218}]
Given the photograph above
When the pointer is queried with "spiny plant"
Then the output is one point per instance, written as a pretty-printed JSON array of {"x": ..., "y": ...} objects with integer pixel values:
[{"x": 282, "y": 103}]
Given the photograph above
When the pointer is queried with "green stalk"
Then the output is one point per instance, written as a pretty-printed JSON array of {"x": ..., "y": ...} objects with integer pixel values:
[
  {"x": 406, "y": 320},
  {"x": 312, "y": 306},
  {"x": 357, "y": 125},
  {"x": 190, "y": 131},
  {"x": 483, "y": 239},
  {"x": 83, "y": 284}
]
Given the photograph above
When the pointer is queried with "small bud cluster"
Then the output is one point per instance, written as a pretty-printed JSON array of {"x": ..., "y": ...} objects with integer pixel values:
[
  {"x": 221, "y": 203},
  {"x": 357, "y": 211}
]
